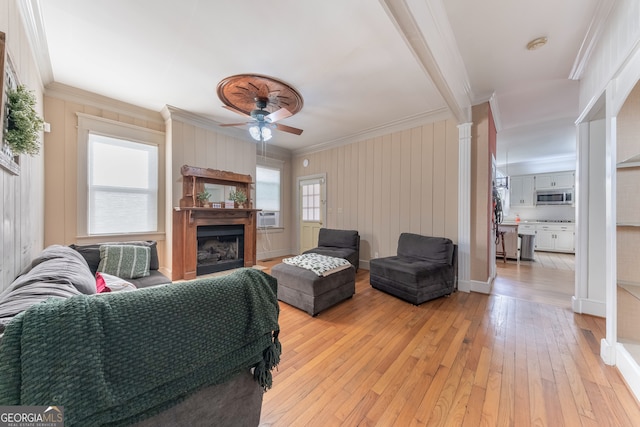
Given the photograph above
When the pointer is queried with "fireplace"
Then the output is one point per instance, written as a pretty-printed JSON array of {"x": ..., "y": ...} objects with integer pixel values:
[
  {"x": 220, "y": 247},
  {"x": 208, "y": 239}
]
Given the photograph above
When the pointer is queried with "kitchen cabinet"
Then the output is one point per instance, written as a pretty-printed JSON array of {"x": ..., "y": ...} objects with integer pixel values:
[
  {"x": 521, "y": 190},
  {"x": 555, "y": 238},
  {"x": 552, "y": 181}
]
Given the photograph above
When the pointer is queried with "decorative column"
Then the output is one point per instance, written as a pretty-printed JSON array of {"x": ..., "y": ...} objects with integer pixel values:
[{"x": 464, "y": 207}]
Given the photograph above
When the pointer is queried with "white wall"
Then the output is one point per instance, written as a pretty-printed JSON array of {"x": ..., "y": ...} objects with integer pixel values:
[
  {"x": 618, "y": 41},
  {"x": 22, "y": 196},
  {"x": 596, "y": 288}
]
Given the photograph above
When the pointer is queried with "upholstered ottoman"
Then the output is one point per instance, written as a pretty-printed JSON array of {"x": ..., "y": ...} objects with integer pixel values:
[{"x": 307, "y": 291}]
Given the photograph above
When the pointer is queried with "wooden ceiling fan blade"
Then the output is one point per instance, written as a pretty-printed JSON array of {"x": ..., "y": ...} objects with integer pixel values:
[
  {"x": 235, "y": 110},
  {"x": 289, "y": 129},
  {"x": 234, "y": 124},
  {"x": 282, "y": 113}
]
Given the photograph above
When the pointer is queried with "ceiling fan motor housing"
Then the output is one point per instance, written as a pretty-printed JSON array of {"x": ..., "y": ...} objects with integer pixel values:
[{"x": 259, "y": 115}]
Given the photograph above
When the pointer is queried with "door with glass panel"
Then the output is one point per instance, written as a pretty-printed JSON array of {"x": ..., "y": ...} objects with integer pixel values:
[{"x": 312, "y": 202}]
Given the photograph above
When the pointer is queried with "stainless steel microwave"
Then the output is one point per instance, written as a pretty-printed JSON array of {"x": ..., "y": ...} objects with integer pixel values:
[{"x": 554, "y": 197}]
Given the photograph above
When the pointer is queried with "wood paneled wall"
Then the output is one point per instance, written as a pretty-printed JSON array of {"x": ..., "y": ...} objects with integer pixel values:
[
  {"x": 62, "y": 103},
  {"x": 22, "y": 196},
  {"x": 195, "y": 142},
  {"x": 401, "y": 182}
]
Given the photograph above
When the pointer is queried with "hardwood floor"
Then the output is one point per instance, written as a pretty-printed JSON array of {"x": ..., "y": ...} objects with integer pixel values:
[
  {"x": 469, "y": 359},
  {"x": 549, "y": 279}
]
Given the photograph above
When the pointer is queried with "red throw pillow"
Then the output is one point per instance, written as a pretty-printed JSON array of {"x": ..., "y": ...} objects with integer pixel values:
[{"x": 101, "y": 285}]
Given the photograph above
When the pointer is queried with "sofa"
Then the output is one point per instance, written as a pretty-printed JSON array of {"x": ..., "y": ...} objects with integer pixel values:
[
  {"x": 191, "y": 353},
  {"x": 339, "y": 244},
  {"x": 91, "y": 254},
  {"x": 424, "y": 268}
]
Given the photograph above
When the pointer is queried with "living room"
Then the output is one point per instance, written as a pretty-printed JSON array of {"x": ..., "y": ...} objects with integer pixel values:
[{"x": 400, "y": 179}]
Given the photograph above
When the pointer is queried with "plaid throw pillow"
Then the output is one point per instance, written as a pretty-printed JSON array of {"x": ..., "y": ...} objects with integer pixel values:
[{"x": 125, "y": 261}]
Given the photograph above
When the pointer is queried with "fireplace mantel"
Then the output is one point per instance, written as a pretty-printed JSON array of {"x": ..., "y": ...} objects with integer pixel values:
[
  {"x": 185, "y": 229},
  {"x": 188, "y": 217}
]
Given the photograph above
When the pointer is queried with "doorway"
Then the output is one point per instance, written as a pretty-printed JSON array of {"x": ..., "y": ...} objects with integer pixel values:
[{"x": 311, "y": 209}]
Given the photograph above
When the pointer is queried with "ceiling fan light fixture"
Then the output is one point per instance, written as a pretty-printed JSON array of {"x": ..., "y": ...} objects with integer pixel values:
[
  {"x": 266, "y": 133},
  {"x": 536, "y": 43},
  {"x": 254, "y": 131},
  {"x": 260, "y": 132}
]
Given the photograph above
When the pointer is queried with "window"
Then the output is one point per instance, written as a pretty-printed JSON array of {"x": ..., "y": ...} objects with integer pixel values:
[
  {"x": 268, "y": 191},
  {"x": 122, "y": 186},
  {"x": 311, "y": 202},
  {"x": 119, "y": 178}
]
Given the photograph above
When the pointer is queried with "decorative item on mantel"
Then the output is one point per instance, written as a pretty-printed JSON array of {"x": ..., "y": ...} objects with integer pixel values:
[
  {"x": 238, "y": 197},
  {"x": 203, "y": 198}
]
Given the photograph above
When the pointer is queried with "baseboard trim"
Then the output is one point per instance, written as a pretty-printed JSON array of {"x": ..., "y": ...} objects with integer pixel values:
[
  {"x": 586, "y": 306},
  {"x": 607, "y": 352},
  {"x": 481, "y": 287},
  {"x": 273, "y": 254},
  {"x": 628, "y": 368},
  {"x": 364, "y": 265}
]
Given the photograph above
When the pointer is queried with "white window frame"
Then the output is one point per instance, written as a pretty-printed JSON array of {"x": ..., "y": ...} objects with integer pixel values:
[
  {"x": 278, "y": 165},
  {"x": 91, "y": 124}
]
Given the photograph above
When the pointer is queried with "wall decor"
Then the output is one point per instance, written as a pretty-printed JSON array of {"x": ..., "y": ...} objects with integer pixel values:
[{"x": 8, "y": 81}]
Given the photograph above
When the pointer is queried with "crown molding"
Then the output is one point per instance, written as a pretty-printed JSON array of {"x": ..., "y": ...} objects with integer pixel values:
[
  {"x": 32, "y": 18},
  {"x": 169, "y": 112},
  {"x": 73, "y": 94},
  {"x": 385, "y": 129},
  {"x": 594, "y": 32},
  {"x": 495, "y": 111}
]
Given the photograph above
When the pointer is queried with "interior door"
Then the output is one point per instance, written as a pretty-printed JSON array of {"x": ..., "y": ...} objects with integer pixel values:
[{"x": 311, "y": 211}]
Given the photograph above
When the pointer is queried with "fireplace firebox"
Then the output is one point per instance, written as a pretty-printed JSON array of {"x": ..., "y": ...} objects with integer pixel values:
[{"x": 220, "y": 247}]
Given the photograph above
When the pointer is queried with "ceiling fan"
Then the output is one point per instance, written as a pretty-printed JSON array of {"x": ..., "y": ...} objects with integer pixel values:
[{"x": 262, "y": 99}]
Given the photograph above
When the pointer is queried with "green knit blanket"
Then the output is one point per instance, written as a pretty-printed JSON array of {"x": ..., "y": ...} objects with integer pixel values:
[{"x": 113, "y": 359}]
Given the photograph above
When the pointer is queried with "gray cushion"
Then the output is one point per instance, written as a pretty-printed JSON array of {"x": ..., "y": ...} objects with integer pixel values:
[
  {"x": 125, "y": 261},
  {"x": 338, "y": 238},
  {"x": 154, "y": 278},
  {"x": 91, "y": 253},
  {"x": 435, "y": 249}
]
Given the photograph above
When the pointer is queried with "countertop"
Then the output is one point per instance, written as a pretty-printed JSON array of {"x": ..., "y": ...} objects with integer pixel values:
[{"x": 508, "y": 222}]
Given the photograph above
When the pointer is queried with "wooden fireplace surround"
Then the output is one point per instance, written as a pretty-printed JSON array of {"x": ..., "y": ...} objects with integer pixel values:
[{"x": 189, "y": 216}]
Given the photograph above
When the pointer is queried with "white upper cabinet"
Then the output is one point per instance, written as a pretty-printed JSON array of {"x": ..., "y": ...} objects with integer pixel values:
[
  {"x": 552, "y": 181},
  {"x": 521, "y": 190}
]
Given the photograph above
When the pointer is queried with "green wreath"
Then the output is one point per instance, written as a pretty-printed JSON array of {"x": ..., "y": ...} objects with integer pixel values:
[{"x": 23, "y": 123}]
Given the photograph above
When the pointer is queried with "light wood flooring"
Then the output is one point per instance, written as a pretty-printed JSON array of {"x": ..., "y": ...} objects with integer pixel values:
[
  {"x": 469, "y": 359},
  {"x": 549, "y": 279}
]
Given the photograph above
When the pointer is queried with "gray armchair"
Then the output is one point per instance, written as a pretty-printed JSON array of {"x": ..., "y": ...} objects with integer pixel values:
[
  {"x": 340, "y": 244},
  {"x": 424, "y": 268}
]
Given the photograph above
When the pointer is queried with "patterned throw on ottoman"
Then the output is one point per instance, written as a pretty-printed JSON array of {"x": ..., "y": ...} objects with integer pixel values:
[{"x": 313, "y": 282}]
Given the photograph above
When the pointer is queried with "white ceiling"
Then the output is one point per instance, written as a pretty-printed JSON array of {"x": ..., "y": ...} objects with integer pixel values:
[{"x": 362, "y": 67}]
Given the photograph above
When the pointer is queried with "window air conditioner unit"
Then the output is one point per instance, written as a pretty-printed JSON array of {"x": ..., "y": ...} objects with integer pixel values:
[{"x": 268, "y": 219}]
